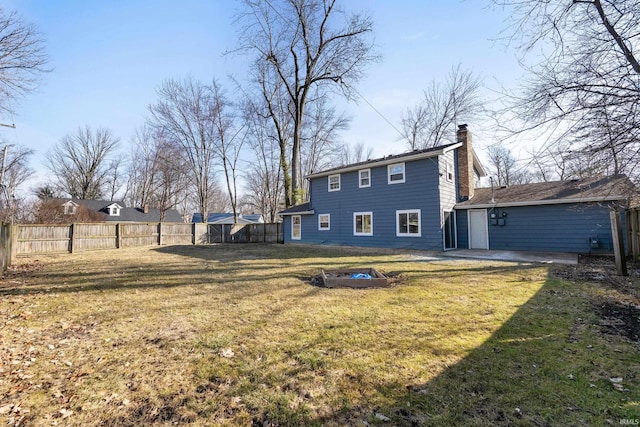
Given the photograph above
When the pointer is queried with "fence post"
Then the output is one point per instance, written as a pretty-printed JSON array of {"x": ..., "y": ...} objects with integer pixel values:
[
  {"x": 71, "y": 238},
  {"x": 5, "y": 245},
  {"x": 635, "y": 233},
  {"x": 118, "y": 236},
  {"x": 14, "y": 242},
  {"x": 160, "y": 234},
  {"x": 618, "y": 243}
]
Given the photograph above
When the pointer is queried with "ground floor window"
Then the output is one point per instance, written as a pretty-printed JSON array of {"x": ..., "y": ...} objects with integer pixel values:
[
  {"x": 296, "y": 227},
  {"x": 363, "y": 224},
  {"x": 324, "y": 222},
  {"x": 408, "y": 223}
]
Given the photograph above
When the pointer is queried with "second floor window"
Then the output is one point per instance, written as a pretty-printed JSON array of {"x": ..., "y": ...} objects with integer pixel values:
[
  {"x": 396, "y": 173},
  {"x": 364, "y": 178},
  {"x": 334, "y": 182}
]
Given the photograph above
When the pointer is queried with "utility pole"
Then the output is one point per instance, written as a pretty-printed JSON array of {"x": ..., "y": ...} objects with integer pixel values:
[
  {"x": 3, "y": 188},
  {"x": 4, "y": 165}
]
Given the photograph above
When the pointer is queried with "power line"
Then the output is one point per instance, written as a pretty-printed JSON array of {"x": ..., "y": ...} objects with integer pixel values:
[{"x": 377, "y": 111}]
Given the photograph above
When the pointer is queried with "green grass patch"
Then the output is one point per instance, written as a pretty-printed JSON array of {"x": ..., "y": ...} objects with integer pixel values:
[{"x": 238, "y": 335}]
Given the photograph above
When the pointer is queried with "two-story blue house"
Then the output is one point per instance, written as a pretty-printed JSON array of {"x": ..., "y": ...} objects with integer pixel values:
[
  {"x": 399, "y": 201},
  {"x": 427, "y": 199}
]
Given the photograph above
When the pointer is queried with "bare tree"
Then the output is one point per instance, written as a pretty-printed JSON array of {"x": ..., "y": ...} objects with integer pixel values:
[
  {"x": 432, "y": 121},
  {"x": 302, "y": 47},
  {"x": 587, "y": 85},
  {"x": 115, "y": 178},
  {"x": 16, "y": 168},
  {"x": 185, "y": 114},
  {"x": 142, "y": 168},
  {"x": 79, "y": 163},
  {"x": 320, "y": 147},
  {"x": 171, "y": 183},
  {"x": 229, "y": 139},
  {"x": 505, "y": 167},
  {"x": 22, "y": 58},
  {"x": 15, "y": 172},
  {"x": 219, "y": 200},
  {"x": 158, "y": 175},
  {"x": 46, "y": 191},
  {"x": 263, "y": 177},
  {"x": 354, "y": 154}
]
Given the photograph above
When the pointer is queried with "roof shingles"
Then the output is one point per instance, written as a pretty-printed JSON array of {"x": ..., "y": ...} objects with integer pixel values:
[{"x": 615, "y": 187}]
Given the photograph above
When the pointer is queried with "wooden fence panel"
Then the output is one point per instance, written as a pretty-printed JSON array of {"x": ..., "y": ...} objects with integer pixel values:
[
  {"x": 42, "y": 239},
  {"x": 138, "y": 234},
  {"x": 238, "y": 233},
  {"x": 200, "y": 233},
  {"x": 93, "y": 236},
  {"x": 176, "y": 233},
  {"x": 274, "y": 233},
  {"x": 256, "y": 233}
]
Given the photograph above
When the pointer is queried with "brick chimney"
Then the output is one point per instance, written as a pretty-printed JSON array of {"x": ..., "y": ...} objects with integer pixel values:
[
  {"x": 466, "y": 182},
  {"x": 145, "y": 209}
]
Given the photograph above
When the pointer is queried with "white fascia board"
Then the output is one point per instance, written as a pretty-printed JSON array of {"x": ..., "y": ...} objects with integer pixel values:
[
  {"x": 383, "y": 162},
  {"x": 543, "y": 202}
]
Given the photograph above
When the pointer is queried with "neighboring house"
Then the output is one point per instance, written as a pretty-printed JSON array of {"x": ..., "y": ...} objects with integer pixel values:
[
  {"x": 427, "y": 199},
  {"x": 227, "y": 218},
  {"x": 116, "y": 211}
]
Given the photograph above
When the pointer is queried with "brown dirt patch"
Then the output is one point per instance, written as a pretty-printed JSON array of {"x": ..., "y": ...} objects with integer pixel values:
[{"x": 618, "y": 307}]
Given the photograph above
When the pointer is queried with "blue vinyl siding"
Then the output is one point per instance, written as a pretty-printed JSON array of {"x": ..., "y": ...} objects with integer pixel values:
[
  {"x": 419, "y": 191},
  {"x": 545, "y": 228}
]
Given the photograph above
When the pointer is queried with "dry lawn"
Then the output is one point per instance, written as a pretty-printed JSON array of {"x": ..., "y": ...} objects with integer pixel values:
[{"x": 239, "y": 335}]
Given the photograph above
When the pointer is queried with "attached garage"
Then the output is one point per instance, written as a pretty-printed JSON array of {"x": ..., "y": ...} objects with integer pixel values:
[{"x": 562, "y": 216}]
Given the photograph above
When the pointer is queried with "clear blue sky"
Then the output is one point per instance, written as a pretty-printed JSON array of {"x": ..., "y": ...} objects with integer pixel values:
[{"x": 109, "y": 57}]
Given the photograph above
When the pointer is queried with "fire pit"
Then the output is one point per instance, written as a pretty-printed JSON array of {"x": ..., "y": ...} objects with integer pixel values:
[{"x": 353, "y": 278}]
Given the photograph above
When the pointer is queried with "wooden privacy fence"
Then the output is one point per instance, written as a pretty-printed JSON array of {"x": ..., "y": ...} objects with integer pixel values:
[
  {"x": 27, "y": 239},
  {"x": 249, "y": 233}
]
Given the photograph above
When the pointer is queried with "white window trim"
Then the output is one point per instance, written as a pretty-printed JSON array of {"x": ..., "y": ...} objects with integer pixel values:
[
  {"x": 320, "y": 227},
  {"x": 355, "y": 233},
  {"x": 360, "y": 178},
  {"x": 293, "y": 236},
  {"x": 404, "y": 173},
  {"x": 449, "y": 170},
  {"x": 70, "y": 209},
  {"x": 329, "y": 182},
  {"x": 114, "y": 211},
  {"x": 408, "y": 211}
]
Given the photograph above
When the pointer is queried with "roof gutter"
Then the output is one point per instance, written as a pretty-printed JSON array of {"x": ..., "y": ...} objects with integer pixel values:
[
  {"x": 309, "y": 212},
  {"x": 385, "y": 161}
]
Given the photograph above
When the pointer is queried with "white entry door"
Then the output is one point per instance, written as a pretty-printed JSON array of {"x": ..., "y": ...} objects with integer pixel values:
[{"x": 478, "y": 229}]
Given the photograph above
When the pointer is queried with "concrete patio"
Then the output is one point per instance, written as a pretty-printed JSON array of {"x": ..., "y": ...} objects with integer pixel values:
[{"x": 517, "y": 256}]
